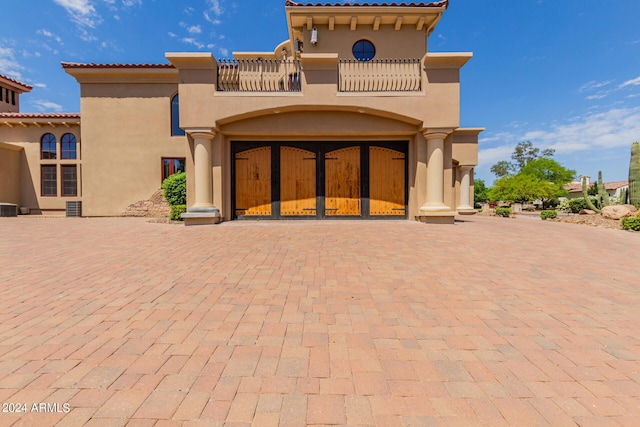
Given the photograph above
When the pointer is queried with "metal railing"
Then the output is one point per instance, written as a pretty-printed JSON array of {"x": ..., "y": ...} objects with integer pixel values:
[
  {"x": 259, "y": 75},
  {"x": 382, "y": 75}
]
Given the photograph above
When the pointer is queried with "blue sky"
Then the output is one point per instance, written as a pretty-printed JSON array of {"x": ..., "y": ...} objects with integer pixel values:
[{"x": 561, "y": 73}]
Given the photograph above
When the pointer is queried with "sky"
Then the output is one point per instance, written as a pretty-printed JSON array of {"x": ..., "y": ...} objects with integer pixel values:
[{"x": 563, "y": 74}]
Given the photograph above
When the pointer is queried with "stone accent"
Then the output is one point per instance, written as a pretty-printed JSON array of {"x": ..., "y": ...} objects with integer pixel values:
[
  {"x": 155, "y": 207},
  {"x": 616, "y": 212}
]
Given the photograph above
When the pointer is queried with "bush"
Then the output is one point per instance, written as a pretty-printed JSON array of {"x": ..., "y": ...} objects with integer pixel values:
[
  {"x": 504, "y": 212},
  {"x": 548, "y": 214},
  {"x": 176, "y": 210},
  {"x": 576, "y": 205},
  {"x": 174, "y": 189},
  {"x": 632, "y": 224}
]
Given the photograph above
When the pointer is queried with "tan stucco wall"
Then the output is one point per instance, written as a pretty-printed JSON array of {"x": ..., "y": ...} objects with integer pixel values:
[
  {"x": 10, "y": 166},
  {"x": 438, "y": 105},
  {"x": 28, "y": 139},
  {"x": 406, "y": 43},
  {"x": 128, "y": 131}
]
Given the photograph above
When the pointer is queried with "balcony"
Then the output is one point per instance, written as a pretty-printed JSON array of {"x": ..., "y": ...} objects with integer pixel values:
[
  {"x": 382, "y": 75},
  {"x": 258, "y": 75},
  {"x": 273, "y": 76}
]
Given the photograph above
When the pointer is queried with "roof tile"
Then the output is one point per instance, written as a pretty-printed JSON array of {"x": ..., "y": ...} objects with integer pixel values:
[
  {"x": 19, "y": 83},
  {"x": 442, "y": 3},
  {"x": 117, "y": 65}
]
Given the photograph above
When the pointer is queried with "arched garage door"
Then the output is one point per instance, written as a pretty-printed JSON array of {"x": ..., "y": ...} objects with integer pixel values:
[{"x": 319, "y": 180}]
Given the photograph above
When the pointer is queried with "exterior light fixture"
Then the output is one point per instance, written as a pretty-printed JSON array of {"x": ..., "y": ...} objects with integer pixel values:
[
  {"x": 314, "y": 36},
  {"x": 298, "y": 46}
]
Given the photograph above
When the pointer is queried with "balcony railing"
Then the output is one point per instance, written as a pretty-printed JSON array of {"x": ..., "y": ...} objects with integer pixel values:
[
  {"x": 382, "y": 75},
  {"x": 259, "y": 75}
]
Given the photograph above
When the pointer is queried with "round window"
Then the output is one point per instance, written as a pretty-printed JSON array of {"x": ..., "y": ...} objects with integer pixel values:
[{"x": 364, "y": 50}]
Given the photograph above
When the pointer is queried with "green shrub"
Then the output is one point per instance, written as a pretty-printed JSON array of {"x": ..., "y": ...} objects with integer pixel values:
[
  {"x": 174, "y": 189},
  {"x": 505, "y": 212},
  {"x": 632, "y": 224},
  {"x": 576, "y": 205},
  {"x": 176, "y": 210},
  {"x": 548, "y": 214}
]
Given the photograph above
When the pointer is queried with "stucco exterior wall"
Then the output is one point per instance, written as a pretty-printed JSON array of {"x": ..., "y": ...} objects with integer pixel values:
[
  {"x": 406, "y": 43},
  {"x": 10, "y": 167},
  {"x": 128, "y": 129},
  {"x": 28, "y": 140}
]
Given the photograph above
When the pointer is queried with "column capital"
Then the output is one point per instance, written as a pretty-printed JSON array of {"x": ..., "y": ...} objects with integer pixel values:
[
  {"x": 465, "y": 168},
  {"x": 207, "y": 133},
  {"x": 436, "y": 133}
]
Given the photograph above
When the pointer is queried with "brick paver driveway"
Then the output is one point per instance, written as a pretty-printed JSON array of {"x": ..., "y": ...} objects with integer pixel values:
[{"x": 493, "y": 321}]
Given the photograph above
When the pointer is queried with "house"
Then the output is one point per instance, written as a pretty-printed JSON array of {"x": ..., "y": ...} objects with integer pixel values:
[
  {"x": 613, "y": 188},
  {"x": 351, "y": 117}
]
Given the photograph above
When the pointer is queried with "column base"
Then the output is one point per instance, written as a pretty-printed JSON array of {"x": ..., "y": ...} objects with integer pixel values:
[
  {"x": 202, "y": 215},
  {"x": 436, "y": 217},
  {"x": 466, "y": 210}
]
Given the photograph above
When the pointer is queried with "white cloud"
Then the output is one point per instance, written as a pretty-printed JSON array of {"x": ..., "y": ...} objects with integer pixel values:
[
  {"x": 40, "y": 85},
  {"x": 82, "y": 12},
  {"x": 193, "y": 41},
  {"x": 49, "y": 34},
  {"x": 194, "y": 29},
  {"x": 617, "y": 127},
  {"x": 632, "y": 82},
  {"x": 43, "y": 105},
  {"x": 593, "y": 84},
  {"x": 215, "y": 6},
  {"x": 9, "y": 66}
]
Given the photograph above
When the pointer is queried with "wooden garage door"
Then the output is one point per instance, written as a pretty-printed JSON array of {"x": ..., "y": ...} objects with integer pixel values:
[
  {"x": 386, "y": 182},
  {"x": 253, "y": 182},
  {"x": 297, "y": 182},
  {"x": 342, "y": 182}
]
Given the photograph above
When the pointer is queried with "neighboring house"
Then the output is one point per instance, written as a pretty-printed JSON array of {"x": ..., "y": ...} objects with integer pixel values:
[
  {"x": 612, "y": 188},
  {"x": 351, "y": 117}
]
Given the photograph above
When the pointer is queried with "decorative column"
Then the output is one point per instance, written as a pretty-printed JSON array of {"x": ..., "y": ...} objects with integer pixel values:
[
  {"x": 435, "y": 173},
  {"x": 434, "y": 210},
  {"x": 202, "y": 211},
  {"x": 465, "y": 207}
]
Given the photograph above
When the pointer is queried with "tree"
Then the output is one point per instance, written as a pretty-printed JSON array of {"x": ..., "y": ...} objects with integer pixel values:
[
  {"x": 480, "y": 191},
  {"x": 502, "y": 168},
  {"x": 549, "y": 170},
  {"x": 521, "y": 188},
  {"x": 524, "y": 153}
]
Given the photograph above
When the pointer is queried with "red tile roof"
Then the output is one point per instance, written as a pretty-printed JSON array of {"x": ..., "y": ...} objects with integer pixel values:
[
  {"x": 40, "y": 115},
  {"x": 93, "y": 65},
  {"x": 26, "y": 87},
  {"x": 614, "y": 185},
  {"x": 442, "y": 3}
]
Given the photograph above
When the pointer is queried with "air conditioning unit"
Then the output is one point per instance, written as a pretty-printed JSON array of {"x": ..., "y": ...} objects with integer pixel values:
[
  {"x": 74, "y": 209},
  {"x": 8, "y": 209}
]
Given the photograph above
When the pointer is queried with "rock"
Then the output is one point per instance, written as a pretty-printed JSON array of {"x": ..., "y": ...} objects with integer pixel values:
[
  {"x": 631, "y": 208},
  {"x": 616, "y": 212},
  {"x": 586, "y": 212}
]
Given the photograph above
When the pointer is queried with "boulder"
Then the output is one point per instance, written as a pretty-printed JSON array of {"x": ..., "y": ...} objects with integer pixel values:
[
  {"x": 631, "y": 208},
  {"x": 586, "y": 212},
  {"x": 616, "y": 212}
]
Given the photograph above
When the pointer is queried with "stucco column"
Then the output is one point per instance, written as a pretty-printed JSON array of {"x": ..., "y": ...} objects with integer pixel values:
[
  {"x": 202, "y": 165},
  {"x": 202, "y": 211},
  {"x": 435, "y": 172},
  {"x": 465, "y": 190}
]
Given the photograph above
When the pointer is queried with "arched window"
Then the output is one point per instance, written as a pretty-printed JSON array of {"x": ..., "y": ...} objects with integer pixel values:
[
  {"x": 175, "y": 117},
  {"x": 48, "y": 146},
  {"x": 68, "y": 146},
  {"x": 364, "y": 50}
]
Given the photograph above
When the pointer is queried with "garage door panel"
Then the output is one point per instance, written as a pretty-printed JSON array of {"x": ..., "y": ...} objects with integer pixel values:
[
  {"x": 386, "y": 182},
  {"x": 297, "y": 182},
  {"x": 342, "y": 182},
  {"x": 253, "y": 182}
]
